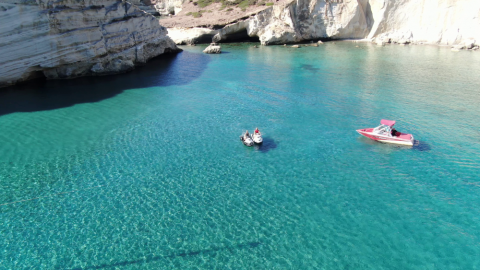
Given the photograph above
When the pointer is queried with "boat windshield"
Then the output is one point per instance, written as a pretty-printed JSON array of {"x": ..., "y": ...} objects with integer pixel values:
[{"x": 382, "y": 129}]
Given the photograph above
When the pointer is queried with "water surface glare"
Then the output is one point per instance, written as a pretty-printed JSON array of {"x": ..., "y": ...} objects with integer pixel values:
[{"x": 145, "y": 170}]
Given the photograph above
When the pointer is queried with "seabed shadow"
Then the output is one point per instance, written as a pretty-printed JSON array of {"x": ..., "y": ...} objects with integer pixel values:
[
  {"x": 267, "y": 145},
  {"x": 421, "y": 146},
  {"x": 310, "y": 68},
  {"x": 41, "y": 94},
  {"x": 150, "y": 258}
]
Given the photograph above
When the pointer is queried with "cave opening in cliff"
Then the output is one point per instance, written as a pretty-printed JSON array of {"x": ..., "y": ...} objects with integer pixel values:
[
  {"x": 204, "y": 39},
  {"x": 241, "y": 36},
  {"x": 35, "y": 76}
]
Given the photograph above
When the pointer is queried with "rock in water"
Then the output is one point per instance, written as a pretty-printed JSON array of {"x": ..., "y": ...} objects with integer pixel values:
[
  {"x": 296, "y": 46},
  {"x": 213, "y": 48},
  {"x": 380, "y": 42},
  {"x": 469, "y": 44}
]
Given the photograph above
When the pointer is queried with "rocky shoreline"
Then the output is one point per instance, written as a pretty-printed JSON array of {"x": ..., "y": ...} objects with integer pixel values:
[
  {"x": 379, "y": 21},
  {"x": 71, "y": 38}
]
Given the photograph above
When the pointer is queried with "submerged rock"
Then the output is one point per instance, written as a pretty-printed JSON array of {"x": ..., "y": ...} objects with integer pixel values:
[{"x": 213, "y": 48}]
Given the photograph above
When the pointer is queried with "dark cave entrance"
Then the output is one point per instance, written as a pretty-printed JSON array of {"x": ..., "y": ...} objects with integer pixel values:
[{"x": 241, "y": 36}]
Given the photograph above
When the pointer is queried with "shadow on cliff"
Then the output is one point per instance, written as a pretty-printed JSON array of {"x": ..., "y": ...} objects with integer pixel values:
[{"x": 40, "y": 95}]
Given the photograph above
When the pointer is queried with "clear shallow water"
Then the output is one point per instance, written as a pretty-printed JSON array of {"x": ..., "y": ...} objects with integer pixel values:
[{"x": 145, "y": 170}]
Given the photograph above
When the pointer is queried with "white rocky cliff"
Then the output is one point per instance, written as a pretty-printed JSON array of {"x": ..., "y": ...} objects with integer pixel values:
[
  {"x": 445, "y": 22},
  {"x": 159, "y": 7},
  {"x": 72, "y": 38}
]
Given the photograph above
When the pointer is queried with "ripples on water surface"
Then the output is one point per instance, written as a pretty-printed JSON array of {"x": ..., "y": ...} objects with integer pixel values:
[{"x": 145, "y": 170}]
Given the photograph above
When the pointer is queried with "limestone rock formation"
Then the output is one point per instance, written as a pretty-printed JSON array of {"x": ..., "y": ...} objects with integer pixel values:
[
  {"x": 159, "y": 7},
  {"x": 466, "y": 45},
  {"x": 428, "y": 21},
  {"x": 213, "y": 48},
  {"x": 189, "y": 36},
  {"x": 305, "y": 20},
  {"x": 446, "y": 22},
  {"x": 72, "y": 38}
]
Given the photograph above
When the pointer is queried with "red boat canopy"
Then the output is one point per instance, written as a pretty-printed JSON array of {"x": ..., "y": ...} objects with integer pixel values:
[{"x": 389, "y": 123}]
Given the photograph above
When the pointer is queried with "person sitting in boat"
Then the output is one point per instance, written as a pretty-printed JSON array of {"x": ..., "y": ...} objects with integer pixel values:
[
  {"x": 246, "y": 134},
  {"x": 257, "y": 131},
  {"x": 394, "y": 132}
]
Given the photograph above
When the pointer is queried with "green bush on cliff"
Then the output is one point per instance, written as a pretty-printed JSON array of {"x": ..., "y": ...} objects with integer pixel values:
[
  {"x": 196, "y": 14},
  {"x": 243, "y": 4},
  {"x": 204, "y": 3}
]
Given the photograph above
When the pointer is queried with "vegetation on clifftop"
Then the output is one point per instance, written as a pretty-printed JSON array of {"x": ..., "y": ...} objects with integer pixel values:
[{"x": 242, "y": 4}]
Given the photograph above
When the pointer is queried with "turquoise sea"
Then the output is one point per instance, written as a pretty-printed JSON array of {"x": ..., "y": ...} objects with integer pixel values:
[{"x": 145, "y": 170}]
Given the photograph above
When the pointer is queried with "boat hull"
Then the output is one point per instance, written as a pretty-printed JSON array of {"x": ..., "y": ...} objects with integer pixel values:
[
  {"x": 257, "y": 139},
  {"x": 248, "y": 141},
  {"x": 401, "y": 139}
]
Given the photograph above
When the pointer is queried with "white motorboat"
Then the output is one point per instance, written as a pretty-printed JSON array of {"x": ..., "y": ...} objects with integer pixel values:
[
  {"x": 246, "y": 139},
  {"x": 257, "y": 136},
  {"x": 387, "y": 134}
]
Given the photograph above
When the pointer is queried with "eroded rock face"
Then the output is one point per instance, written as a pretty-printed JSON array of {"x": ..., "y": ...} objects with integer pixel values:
[
  {"x": 446, "y": 22},
  {"x": 71, "y": 38},
  {"x": 306, "y": 20},
  {"x": 189, "y": 36},
  {"x": 162, "y": 7}
]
